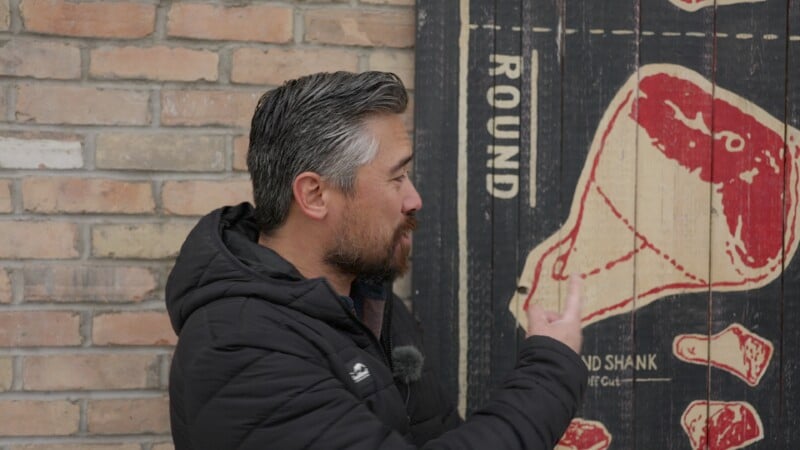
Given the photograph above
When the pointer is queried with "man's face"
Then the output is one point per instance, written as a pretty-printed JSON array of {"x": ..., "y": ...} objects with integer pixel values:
[{"x": 373, "y": 233}]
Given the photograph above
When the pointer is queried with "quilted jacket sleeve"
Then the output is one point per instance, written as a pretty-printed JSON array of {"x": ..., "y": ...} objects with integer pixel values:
[{"x": 532, "y": 408}]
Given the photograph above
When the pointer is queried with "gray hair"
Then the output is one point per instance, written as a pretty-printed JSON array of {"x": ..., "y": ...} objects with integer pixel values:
[{"x": 315, "y": 124}]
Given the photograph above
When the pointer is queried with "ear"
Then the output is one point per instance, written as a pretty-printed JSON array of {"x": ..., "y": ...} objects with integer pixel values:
[{"x": 309, "y": 193}]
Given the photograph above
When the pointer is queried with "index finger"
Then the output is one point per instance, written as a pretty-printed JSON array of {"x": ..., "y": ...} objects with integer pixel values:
[{"x": 572, "y": 308}]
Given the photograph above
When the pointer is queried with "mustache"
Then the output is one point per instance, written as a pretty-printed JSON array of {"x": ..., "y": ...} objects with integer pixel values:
[{"x": 410, "y": 224}]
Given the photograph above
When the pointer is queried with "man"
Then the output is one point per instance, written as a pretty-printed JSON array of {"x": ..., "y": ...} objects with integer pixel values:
[{"x": 287, "y": 339}]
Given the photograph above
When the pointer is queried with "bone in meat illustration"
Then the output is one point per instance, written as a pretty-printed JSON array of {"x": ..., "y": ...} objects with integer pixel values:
[
  {"x": 584, "y": 435},
  {"x": 657, "y": 140},
  {"x": 696, "y": 5},
  {"x": 735, "y": 349},
  {"x": 721, "y": 425}
]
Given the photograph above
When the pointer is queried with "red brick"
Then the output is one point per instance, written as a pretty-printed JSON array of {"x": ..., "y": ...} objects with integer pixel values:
[
  {"x": 6, "y": 204},
  {"x": 3, "y": 102},
  {"x": 128, "y": 416},
  {"x": 163, "y": 63},
  {"x": 90, "y": 371},
  {"x": 198, "y": 108},
  {"x": 358, "y": 27},
  {"x": 82, "y": 446},
  {"x": 164, "y": 446},
  {"x": 80, "y": 105},
  {"x": 5, "y": 15},
  {"x": 89, "y": 19},
  {"x": 133, "y": 328},
  {"x": 5, "y": 287},
  {"x": 6, "y": 373},
  {"x": 241, "y": 145},
  {"x": 39, "y": 417},
  {"x": 193, "y": 198},
  {"x": 112, "y": 284},
  {"x": 86, "y": 195},
  {"x": 39, "y": 328},
  {"x": 33, "y": 150},
  {"x": 408, "y": 116},
  {"x": 143, "y": 241},
  {"x": 260, "y": 23},
  {"x": 43, "y": 240},
  {"x": 160, "y": 152},
  {"x": 40, "y": 59},
  {"x": 276, "y": 65},
  {"x": 400, "y": 62}
]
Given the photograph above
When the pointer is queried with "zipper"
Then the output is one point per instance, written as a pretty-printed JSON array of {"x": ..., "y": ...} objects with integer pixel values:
[
  {"x": 386, "y": 330},
  {"x": 384, "y": 348}
]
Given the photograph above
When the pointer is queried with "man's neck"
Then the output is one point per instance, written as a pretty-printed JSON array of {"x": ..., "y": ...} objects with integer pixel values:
[{"x": 305, "y": 256}]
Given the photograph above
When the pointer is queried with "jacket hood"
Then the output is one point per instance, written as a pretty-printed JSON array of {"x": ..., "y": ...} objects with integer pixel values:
[{"x": 221, "y": 258}]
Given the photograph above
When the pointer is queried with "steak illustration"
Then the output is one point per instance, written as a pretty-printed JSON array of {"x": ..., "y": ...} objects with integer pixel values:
[
  {"x": 721, "y": 425},
  {"x": 668, "y": 162},
  {"x": 735, "y": 349},
  {"x": 584, "y": 435}
]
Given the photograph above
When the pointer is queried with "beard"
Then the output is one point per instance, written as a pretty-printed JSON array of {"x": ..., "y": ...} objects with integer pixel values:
[{"x": 375, "y": 259}]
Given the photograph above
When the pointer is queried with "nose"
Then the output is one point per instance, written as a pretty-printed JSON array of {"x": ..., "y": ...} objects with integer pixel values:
[{"x": 412, "y": 202}]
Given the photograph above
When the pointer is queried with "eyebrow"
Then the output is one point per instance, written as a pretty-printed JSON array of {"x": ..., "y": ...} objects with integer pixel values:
[{"x": 402, "y": 163}]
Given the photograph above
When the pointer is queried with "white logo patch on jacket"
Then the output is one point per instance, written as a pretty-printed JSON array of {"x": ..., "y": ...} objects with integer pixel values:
[{"x": 359, "y": 373}]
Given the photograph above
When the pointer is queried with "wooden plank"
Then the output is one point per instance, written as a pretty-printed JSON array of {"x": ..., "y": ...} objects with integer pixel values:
[
  {"x": 435, "y": 272},
  {"x": 747, "y": 231},
  {"x": 672, "y": 217},
  {"x": 600, "y": 54},
  {"x": 503, "y": 181},
  {"x": 479, "y": 123},
  {"x": 790, "y": 363}
]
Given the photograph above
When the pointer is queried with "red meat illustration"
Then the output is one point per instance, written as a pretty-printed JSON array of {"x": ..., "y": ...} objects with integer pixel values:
[
  {"x": 668, "y": 161},
  {"x": 695, "y": 5},
  {"x": 721, "y": 425},
  {"x": 735, "y": 349},
  {"x": 584, "y": 435}
]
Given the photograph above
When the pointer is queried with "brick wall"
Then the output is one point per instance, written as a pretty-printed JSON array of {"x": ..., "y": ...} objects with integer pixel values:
[{"x": 120, "y": 123}]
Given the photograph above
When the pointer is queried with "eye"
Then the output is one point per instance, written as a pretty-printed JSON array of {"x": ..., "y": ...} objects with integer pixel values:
[{"x": 402, "y": 176}]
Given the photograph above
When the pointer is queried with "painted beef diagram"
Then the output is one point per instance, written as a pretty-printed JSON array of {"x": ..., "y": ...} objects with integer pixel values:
[
  {"x": 659, "y": 130},
  {"x": 653, "y": 148}
]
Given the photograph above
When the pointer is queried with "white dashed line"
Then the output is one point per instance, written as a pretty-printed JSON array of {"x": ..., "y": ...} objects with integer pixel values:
[{"x": 600, "y": 31}]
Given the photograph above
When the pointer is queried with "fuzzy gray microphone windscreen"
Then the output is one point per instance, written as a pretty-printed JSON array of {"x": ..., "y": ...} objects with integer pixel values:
[{"x": 407, "y": 362}]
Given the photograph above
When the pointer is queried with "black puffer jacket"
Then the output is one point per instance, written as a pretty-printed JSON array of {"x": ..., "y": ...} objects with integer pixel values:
[{"x": 269, "y": 360}]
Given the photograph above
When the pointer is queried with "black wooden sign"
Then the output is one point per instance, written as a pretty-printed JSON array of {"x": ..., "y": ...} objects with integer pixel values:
[{"x": 653, "y": 148}]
